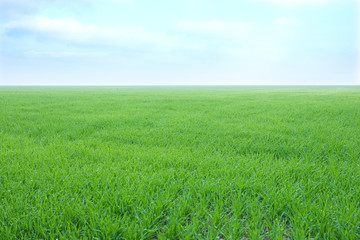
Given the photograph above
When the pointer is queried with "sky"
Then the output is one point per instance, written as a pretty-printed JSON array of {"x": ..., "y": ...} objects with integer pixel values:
[{"x": 179, "y": 42}]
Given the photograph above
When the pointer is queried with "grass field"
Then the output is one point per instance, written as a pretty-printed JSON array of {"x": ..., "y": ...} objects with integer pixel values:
[{"x": 180, "y": 163}]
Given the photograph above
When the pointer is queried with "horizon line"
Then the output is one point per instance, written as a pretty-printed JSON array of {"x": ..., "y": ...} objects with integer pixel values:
[{"x": 169, "y": 85}]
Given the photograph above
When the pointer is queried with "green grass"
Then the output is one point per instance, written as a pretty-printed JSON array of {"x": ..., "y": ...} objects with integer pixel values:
[{"x": 180, "y": 163}]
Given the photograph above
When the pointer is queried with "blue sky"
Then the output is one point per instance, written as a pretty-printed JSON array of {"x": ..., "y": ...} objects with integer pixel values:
[{"x": 172, "y": 42}]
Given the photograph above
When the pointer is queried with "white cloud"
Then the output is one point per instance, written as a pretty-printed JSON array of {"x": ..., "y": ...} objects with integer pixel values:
[
  {"x": 241, "y": 31},
  {"x": 245, "y": 40},
  {"x": 295, "y": 2},
  {"x": 287, "y": 21},
  {"x": 217, "y": 28},
  {"x": 12, "y": 8},
  {"x": 72, "y": 31},
  {"x": 217, "y": 37},
  {"x": 63, "y": 54},
  {"x": 122, "y": 1},
  {"x": 39, "y": 2}
]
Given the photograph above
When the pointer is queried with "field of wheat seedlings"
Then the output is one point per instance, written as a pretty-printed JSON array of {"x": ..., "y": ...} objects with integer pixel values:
[{"x": 180, "y": 163}]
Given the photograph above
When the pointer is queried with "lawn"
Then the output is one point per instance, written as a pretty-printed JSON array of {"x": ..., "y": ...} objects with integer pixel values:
[{"x": 180, "y": 163}]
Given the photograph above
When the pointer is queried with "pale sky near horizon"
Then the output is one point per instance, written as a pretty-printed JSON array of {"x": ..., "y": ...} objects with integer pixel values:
[{"x": 173, "y": 42}]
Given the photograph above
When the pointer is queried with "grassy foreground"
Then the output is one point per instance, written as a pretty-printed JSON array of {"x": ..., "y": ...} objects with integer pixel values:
[{"x": 180, "y": 163}]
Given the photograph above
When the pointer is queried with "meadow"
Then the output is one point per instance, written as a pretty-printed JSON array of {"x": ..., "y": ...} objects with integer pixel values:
[{"x": 179, "y": 163}]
